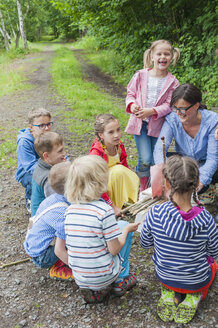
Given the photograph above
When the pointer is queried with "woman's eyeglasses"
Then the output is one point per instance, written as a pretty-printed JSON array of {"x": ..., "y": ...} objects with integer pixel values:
[
  {"x": 182, "y": 110},
  {"x": 43, "y": 126}
]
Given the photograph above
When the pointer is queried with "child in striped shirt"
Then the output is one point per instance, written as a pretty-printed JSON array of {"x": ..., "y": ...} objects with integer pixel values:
[
  {"x": 98, "y": 246},
  {"x": 185, "y": 240}
]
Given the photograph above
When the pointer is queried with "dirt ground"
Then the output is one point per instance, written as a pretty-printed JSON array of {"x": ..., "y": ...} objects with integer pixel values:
[{"x": 28, "y": 296}]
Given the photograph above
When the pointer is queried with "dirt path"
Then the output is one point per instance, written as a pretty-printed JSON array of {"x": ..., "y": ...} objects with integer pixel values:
[{"x": 28, "y": 297}]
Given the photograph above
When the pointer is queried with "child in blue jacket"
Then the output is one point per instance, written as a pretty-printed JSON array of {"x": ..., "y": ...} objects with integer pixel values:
[{"x": 39, "y": 122}]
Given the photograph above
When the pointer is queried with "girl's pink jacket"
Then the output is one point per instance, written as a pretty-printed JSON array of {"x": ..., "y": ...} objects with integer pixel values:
[{"x": 137, "y": 93}]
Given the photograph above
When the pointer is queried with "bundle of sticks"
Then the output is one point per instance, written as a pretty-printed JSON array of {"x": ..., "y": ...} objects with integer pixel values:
[
  {"x": 147, "y": 201},
  {"x": 144, "y": 204}
]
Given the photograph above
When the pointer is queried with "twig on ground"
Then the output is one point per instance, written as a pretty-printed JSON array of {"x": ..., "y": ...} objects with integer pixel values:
[{"x": 14, "y": 263}]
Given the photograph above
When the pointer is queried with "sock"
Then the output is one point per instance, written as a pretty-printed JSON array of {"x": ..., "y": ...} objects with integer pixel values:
[{"x": 179, "y": 298}]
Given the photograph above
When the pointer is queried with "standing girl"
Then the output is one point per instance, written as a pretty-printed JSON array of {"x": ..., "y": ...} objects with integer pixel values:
[
  {"x": 185, "y": 240},
  {"x": 148, "y": 101},
  {"x": 123, "y": 183}
]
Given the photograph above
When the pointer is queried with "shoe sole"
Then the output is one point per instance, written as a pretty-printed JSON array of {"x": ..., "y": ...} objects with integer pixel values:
[
  {"x": 119, "y": 294},
  {"x": 61, "y": 278},
  {"x": 184, "y": 314},
  {"x": 166, "y": 311}
]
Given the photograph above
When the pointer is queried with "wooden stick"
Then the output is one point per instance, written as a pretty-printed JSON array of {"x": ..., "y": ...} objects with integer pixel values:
[
  {"x": 146, "y": 209},
  {"x": 141, "y": 205},
  {"x": 142, "y": 201},
  {"x": 14, "y": 263},
  {"x": 164, "y": 159}
]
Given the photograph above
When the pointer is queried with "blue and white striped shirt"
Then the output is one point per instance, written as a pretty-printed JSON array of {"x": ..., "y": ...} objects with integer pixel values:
[
  {"x": 88, "y": 228},
  {"x": 181, "y": 247}
]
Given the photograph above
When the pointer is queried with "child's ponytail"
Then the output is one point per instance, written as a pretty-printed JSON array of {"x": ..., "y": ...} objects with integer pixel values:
[
  {"x": 182, "y": 174},
  {"x": 176, "y": 55},
  {"x": 147, "y": 58}
]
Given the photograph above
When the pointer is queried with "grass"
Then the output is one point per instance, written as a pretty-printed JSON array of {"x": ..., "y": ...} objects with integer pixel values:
[
  {"x": 11, "y": 79},
  {"x": 86, "y": 99},
  {"x": 107, "y": 60},
  {"x": 8, "y": 146}
]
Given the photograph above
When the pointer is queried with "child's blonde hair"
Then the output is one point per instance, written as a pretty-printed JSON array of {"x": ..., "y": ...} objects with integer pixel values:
[
  {"x": 87, "y": 179},
  {"x": 147, "y": 54},
  {"x": 58, "y": 175},
  {"x": 46, "y": 141},
  {"x": 34, "y": 113},
  {"x": 101, "y": 121},
  {"x": 183, "y": 175}
]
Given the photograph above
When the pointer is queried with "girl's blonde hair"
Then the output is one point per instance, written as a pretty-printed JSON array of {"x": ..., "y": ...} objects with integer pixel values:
[
  {"x": 147, "y": 54},
  {"x": 87, "y": 179},
  {"x": 183, "y": 176}
]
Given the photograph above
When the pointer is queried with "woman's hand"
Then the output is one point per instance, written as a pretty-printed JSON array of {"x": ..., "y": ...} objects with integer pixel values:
[
  {"x": 144, "y": 113},
  {"x": 199, "y": 187},
  {"x": 216, "y": 134}
]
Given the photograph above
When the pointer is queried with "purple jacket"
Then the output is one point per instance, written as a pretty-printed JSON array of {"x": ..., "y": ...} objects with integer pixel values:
[{"x": 137, "y": 93}]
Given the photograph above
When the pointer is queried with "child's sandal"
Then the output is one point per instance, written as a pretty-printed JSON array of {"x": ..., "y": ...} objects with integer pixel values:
[
  {"x": 94, "y": 297},
  {"x": 166, "y": 307},
  {"x": 187, "y": 309}
]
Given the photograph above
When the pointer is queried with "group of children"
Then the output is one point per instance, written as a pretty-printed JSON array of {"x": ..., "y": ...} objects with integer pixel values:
[{"x": 73, "y": 228}]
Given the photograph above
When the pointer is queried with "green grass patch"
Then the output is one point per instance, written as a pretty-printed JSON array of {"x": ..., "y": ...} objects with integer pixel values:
[
  {"x": 8, "y": 147},
  {"x": 11, "y": 80},
  {"x": 47, "y": 38},
  {"x": 7, "y": 154},
  {"x": 87, "y": 42},
  {"x": 86, "y": 99},
  {"x": 108, "y": 61}
]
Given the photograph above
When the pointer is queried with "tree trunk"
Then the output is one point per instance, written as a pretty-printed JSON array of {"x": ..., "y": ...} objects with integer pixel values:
[
  {"x": 22, "y": 29},
  {"x": 17, "y": 39},
  {"x": 13, "y": 31},
  {"x": 4, "y": 32}
]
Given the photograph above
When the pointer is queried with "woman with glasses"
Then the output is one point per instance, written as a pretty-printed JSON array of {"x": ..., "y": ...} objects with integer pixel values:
[{"x": 193, "y": 127}]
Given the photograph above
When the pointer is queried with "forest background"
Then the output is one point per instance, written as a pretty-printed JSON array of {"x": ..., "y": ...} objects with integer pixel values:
[{"x": 120, "y": 31}]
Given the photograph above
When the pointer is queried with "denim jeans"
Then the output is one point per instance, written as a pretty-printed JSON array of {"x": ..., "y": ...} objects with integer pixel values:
[
  {"x": 26, "y": 182},
  {"x": 124, "y": 253},
  {"x": 145, "y": 147},
  {"x": 47, "y": 259}
]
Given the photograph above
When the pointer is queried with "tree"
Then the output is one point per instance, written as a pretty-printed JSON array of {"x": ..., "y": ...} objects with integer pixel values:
[
  {"x": 4, "y": 32},
  {"x": 21, "y": 24}
]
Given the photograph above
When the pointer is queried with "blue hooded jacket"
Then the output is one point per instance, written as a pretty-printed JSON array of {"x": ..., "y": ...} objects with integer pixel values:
[{"x": 26, "y": 155}]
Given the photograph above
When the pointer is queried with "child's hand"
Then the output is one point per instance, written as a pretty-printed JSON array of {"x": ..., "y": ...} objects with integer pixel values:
[
  {"x": 133, "y": 226},
  {"x": 144, "y": 113},
  {"x": 117, "y": 210},
  {"x": 134, "y": 108}
]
